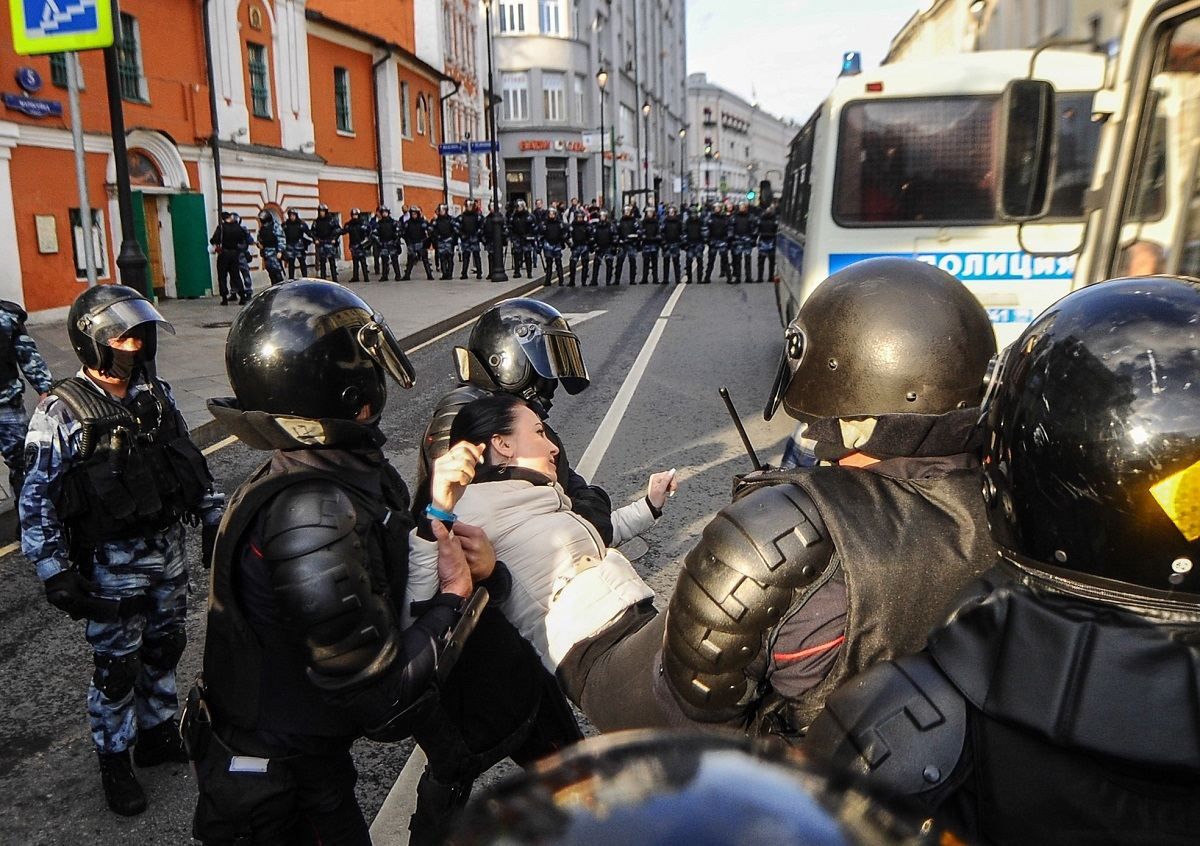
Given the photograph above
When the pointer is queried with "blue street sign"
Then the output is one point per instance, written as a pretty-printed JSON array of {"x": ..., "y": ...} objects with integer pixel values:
[
  {"x": 33, "y": 106},
  {"x": 54, "y": 26},
  {"x": 452, "y": 149},
  {"x": 29, "y": 80},
  {"x": 485, "y": 147}
]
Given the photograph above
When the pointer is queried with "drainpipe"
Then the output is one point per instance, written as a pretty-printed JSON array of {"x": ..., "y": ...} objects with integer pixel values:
[
  {"x": 446, "y": 164},
  {"x": 387, "y": 57},
  {"x": 213, "y": 139}
]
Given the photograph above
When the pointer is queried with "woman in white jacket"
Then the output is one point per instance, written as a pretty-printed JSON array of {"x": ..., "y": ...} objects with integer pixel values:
[{"x": 570, "y": 593}]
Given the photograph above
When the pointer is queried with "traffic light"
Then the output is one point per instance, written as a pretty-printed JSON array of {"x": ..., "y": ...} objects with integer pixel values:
[
  {"x": 708, "y": 151},
  {"x": 751, "y": 195}
]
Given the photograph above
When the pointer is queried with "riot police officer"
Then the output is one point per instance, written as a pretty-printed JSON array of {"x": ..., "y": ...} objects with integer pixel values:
[
  {"x": 580, "y": 238},
  {"x": 743, "y": 230},
  {"x": 553, "y": 236},
  {"x": 327, "y": 232},
  {"x": 296, "y": 237},
  {"x": 387, "y": 236},
  {"x": 111, "y": 474},
  {"x": 495, "y": 228},
  {"x": 244, "y": 256},
  {"x": 651, "y": 239},
  {"x": 629, "y": 234},
  {"x": 522, "y": 347},
  {"x": 716, "y": 225},
  {"x": 444, "y": 233},
  {"x": 672, "y": 241},
  {"x": 604, "y": 241},
  {"x": 230, "y": 238},
  {"x": 305, "y": 651},
  {"x": 1064, "y": 683},
  {"x": 362, "y": 235},
  {"x": 470, "y": 231},
  {"x": 416, "y": 239},
  {"x": 695, "y": 233},
  {"x": 18, "y": 356},
  {"x": 768, "y": 229},
  {"x": 270, "y": 245},
  {"x": 522, "y": 227}
]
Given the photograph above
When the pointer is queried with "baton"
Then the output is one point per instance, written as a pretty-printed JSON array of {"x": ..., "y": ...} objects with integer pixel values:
[{"x": 737, "y": 421}]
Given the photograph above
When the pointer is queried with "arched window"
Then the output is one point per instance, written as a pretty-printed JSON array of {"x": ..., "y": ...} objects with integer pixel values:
[
  {"x": 143, "y": 171},
  {"x": 422, "y": 114}
]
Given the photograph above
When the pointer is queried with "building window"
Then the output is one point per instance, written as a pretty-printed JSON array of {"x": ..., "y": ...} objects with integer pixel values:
[
  {"x": 625, "y": 126},
  {"x": 512, "y": 17},
  {"x": 405, "y": 111},
  {"x": 129, "y": 61},
  {"x": 579, "y": 100},
  {"x": 260, "y": 86},
  {"x": 422, "y": 114},
  {"x": 553, "y": 96},
  {"x": 341, "y": 99},
  {"x": 58, "y": 69},
  {"x": 549, "y": 16},
  {"x": 516, "y": 96}
]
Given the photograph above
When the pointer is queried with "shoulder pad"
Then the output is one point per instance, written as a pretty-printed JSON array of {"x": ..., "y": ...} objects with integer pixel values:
[
  {"x": 736, "y": 584},
  {"x": 305, "y": 517},
  {"x": 14, "y": 309},
  {"x": 437, "y": 436},
  {"x": 87, "y": 405},
  {"x": 900, "y": 726}
]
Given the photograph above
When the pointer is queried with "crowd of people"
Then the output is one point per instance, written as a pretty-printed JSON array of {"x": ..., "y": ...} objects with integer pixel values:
[
  {"x": 978, "y": 596},
  {"x": 661, "y": 236}
]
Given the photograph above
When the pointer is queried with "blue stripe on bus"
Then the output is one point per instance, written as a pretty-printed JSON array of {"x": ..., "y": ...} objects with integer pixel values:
[{"x": 977, "y": 266}]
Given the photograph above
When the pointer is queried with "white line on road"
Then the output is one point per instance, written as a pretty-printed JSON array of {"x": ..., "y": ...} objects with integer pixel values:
[
  {"x": 391, "y": 823},
  {"x": 590, "y": 462},
  {"x": 219, "y": 445},
  {"x": 574, "y": 318}
]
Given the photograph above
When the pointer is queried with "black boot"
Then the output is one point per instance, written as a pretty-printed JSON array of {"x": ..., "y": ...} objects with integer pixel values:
[
  {"x": 121, "y": 788},
  {"x": 437, "y": 803},
  {"x": 160, "y": 745}
]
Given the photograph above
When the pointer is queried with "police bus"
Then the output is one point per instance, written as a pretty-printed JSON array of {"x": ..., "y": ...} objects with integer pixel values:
[{"x": 908, "y": 159}]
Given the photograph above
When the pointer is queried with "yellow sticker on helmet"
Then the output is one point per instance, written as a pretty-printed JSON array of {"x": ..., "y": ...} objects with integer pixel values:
[{"x": 1179, "y": 496}]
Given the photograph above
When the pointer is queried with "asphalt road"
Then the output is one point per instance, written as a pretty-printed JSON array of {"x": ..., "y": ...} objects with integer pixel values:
[{"x": 715, "y": 335}]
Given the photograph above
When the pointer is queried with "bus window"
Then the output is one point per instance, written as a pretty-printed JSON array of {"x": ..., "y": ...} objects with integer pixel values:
[
  {"x": 798, "y": 179},
  {"x": 1078, "y": 141},
  {"x": 927, "y": 160}
]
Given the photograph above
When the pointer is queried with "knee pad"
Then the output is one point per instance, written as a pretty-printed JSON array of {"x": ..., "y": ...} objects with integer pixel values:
[
  {"x": 164, "y": 651},
  {"x": 115, "y": 675}
]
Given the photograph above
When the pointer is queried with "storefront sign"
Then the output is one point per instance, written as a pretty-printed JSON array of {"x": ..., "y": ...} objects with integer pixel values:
[{"x": 558, "y": 145}]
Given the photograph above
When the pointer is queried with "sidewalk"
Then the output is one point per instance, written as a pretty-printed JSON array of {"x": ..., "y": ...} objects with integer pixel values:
[{"x": 193, "y": 360}]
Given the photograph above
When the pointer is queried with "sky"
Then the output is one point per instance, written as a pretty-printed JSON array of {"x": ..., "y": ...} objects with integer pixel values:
[{"x": 788, "y": 52}]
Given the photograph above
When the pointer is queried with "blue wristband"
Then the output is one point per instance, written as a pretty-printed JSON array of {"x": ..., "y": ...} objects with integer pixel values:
[{"x": 447, "y": 517}]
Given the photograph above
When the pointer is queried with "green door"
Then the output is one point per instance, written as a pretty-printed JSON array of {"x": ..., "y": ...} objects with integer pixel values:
[
  {"x": 139, "y": 232},
  {"x": 193, "y": 271}
]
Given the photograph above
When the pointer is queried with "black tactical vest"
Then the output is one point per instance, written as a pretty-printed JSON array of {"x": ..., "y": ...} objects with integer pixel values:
[
  {"x": 294, "y": 231},
  {"x": 257, "y": 672},
  {"x": 468, "y": 224},
  {"x": 139, "y": 472},
  {"x": 268, "y": 237},
  {"x": 905, "y": 547},
  {"x": 8, "y": 355}
]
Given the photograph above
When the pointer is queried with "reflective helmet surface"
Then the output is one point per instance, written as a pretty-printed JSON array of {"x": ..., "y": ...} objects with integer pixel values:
[
  {"x": 312, "y": 349},
  {"x": 104, "y": 313},
  {"x": 885, "y": 336},
  {"x": 679, "y": 789},
  {"x": 523, "y": 346},
  {"x": 1092, "y": 471}
]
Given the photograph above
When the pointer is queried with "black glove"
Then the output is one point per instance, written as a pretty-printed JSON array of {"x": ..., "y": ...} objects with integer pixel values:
[
  {"x": 208, "y": 543},
  {"x": 70, "y": 592}
]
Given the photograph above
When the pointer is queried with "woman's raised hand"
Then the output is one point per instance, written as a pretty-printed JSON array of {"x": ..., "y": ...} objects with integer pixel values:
[
  {"x": 661, "y": 486},
  {"x": 452, "y": 473}
]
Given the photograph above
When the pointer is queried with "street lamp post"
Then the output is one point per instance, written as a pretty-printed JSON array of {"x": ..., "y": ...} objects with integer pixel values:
[
  {"x": 646, "y": 152},
  {"x": 683, "y": 166},
  {"x": 602, "y": 82},
  {"x": 496, "y": 271}
]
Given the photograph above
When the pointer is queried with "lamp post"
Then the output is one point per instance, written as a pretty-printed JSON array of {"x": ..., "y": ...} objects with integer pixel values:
[
  {"x": 683, "y": 166},
  {"x": 602, "y": 82},
  {"x": 496, "y": 271},
  {"x": 646, "y": 152}
]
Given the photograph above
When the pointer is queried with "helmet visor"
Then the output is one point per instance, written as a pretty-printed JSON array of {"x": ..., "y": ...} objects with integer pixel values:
[
  {"x": 121, "y": 317},
  {"x": 380, "y": 344},
  {"x": 555, "y": 355}
]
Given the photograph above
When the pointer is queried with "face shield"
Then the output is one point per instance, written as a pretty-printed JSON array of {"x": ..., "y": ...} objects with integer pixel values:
[
  {"x": 555, "y": 354},
  {"x": 120, "y": 318},
  {"x": 381, "y": 346},
  {"x": 793, "y": 351}
]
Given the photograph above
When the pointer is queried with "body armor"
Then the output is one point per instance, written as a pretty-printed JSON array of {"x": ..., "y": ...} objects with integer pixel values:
[
  {"x": 139, "y": 472},
  {"x": 8, "y": 355}
]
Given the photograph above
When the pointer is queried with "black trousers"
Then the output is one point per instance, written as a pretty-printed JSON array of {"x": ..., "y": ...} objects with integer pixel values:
[
  {"x": 229, "y": 268},
  {"x": 469, "y": 254},
  {"x": 417, "y": 252}
]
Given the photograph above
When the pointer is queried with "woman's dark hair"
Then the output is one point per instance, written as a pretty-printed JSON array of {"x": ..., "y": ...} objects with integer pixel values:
[{"x": 480, "y": 419}]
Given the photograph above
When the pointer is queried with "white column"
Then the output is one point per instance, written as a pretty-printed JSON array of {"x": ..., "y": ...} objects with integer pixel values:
[
  {"x": 391, "y": 151},
  {"x": 292, "y": 78},
  {"x": 232, "y": 113},
  {"x": 10, "y": 271}
]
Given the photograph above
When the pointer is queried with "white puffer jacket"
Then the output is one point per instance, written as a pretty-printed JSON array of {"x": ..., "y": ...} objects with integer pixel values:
[{"x": 566, "y": 585}]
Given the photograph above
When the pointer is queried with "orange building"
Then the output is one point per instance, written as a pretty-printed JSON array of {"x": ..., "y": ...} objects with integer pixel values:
[{"x": 319, "y": 102}]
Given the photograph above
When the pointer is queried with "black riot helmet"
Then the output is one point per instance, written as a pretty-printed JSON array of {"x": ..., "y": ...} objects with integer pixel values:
[
  {"x": 104, "y": 313},
  {"x": 312, "y": 349},
  {"x": 265, "y": 216},
  {"x": 658, "y": 788},
  {"x": 522, "y": 347},
  {"x": 884, "y": 336},
  {"x": 1092, "y": 471}
]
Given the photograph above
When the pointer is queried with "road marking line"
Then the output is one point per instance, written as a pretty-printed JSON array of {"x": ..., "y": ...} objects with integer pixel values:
[
  {"x": 219, "y": 445},
  {"x": 12, "y": 547},
  {"x": 390, "y": 825},
  {"x": 594, "y": 454},
  {"x": 574, "y": 318}
]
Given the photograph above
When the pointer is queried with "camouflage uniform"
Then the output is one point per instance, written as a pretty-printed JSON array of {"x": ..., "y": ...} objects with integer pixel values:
[
  {"x": 271, "y": 248},
  {"x": 133, "y": 687},
  {"x": 244, "y": 257},
  {"x": 19, "y": 352}
]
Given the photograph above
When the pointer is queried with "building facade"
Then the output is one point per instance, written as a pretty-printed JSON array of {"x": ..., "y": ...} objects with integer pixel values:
[
  {"x": 319, "y": 101},
  {"x": 548, "y": 54},
  {"x": 732, "y": 146}
]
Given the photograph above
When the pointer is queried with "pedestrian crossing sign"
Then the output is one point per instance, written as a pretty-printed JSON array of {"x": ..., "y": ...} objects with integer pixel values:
[{"x": 55, "y": 26}]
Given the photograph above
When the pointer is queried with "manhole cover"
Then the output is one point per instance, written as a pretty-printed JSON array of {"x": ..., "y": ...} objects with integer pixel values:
[{"x": 220, "y": 324}]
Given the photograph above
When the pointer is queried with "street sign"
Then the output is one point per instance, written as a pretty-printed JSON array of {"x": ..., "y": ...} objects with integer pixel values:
[
  {"x": 56, "y": 26},
  {"x": 32, "y": 106},
  {"x": 452, "y": 149},
  {"x": 478, "y": 147}
]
